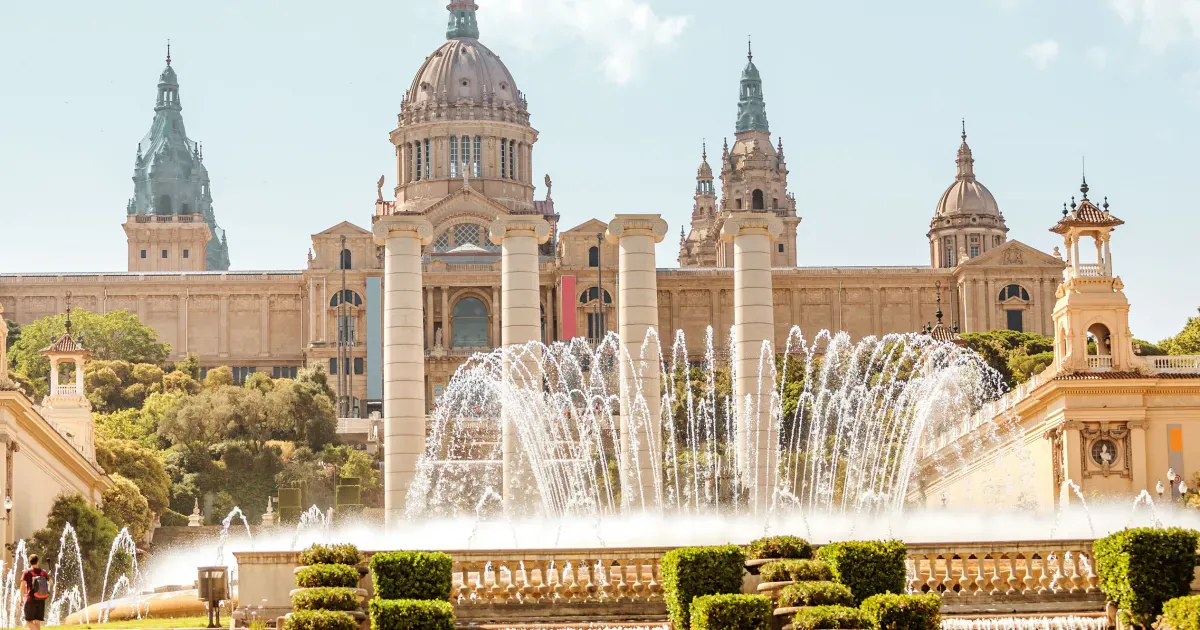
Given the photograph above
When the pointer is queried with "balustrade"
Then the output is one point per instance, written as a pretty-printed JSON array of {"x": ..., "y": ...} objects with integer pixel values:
[
  {"x": 67, "y": 391},
  {"x": 1092, "y": 271},
  {"x": 1176, "y": 364},
  {"x": 1100, "y": 362}
]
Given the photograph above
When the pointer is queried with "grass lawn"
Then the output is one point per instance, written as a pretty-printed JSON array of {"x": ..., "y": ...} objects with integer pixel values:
[{"x": 153, "y": 622}]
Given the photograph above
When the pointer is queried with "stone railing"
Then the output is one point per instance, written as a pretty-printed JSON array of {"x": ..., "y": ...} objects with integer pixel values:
[
  {"x": 1008, "y": 577},
  {"x": 67, "y": 391},
  {"x": 1100, "y": 362},
  {"x": 1092, "y": 271},
  {"x": 1175, "y": 364}
]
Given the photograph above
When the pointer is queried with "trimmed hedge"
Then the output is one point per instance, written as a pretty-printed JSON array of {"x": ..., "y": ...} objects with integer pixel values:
[
  {"x": 689, "y": 572},
  {"x": 867, "y": 567},
  {"x": 319, "y": 620},
  {"x": 1181, "y": 613},
  {"x": 325, "y": 598},
  {"x": 316, "y": 575},
  {"x": 411, "y": 575},
  {"x": 1140, "y": 569},
  {"x": 411, "y": 614},
  {"x": 816, "y": 594},
  {"x": 796, "y": 570},
  {"x": 330, "y": 554},
  {"x": 171, "y": 518},
  {"x": 904, "y": 612},
  {"x": 731, "y": 612},
  {"x": 830, "y": 618},
  {"x": 779, "y": 547}
]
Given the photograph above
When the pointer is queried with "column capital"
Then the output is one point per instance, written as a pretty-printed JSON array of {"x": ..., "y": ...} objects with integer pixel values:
[
  {"x": 503, "y": 226},
  {"x": 636, "y": 224},
  {"x": 751, "y": 223},
  {"x": 394, "y": 225}
]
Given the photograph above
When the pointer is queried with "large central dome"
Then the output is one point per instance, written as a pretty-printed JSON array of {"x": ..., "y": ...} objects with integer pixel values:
[{"x": 464, "y": 74}]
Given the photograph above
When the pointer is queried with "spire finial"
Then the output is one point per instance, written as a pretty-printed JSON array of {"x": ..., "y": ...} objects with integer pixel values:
[
  {"x": 168, "y": 52},
  {"x": 68, "y": 313},
  {"x": 1084, "y": 187},
  {"x": 1064, "y": 208},
  {"x": 939, "y": 313},
  {"x": 202, "y": 152},
  {"x": 1105, "y": 206},
  {"x": 749, "y": 48},
  {"x": 964, "y": 129},
  {"x": 704, "y": 149}
]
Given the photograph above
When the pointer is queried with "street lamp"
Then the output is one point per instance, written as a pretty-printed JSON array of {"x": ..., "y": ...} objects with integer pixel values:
[
  {"x": 8, "y": 504},
  {"x": 1182, "y": 488},
  {"x": 1160, "y": 489}
]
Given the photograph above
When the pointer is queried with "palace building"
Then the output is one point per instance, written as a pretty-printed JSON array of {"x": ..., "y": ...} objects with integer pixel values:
[{"x": 465, "y": 157}]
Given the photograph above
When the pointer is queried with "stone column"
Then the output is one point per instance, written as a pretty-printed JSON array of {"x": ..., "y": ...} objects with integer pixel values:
[
  {"x": 403, "y": 358},
  {"x": 641, "y": 421},
  {"x": 520, "y": 318},
  {"x": 753, "y": 321}
]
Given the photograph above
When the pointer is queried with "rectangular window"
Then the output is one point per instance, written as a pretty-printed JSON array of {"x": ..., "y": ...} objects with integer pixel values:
[
  {"x": 466, "y": 153},
  {"x": 185, "y": 253},
  {"x": 503, "y": 158},
  {"x": 453, "y": 156},
  {"x": 412, "y": 163},
  {"x": 512, "y": 158},
  {"x": 477, "y": 153},
  {"x": 346, "y": 365},
  {"x": 333, "y": 366},
  {"x": 164, "y": 253},
  {"x": 346, "y": 329},
  {"x": 1014, "y": 321},
  {"x": 419, "y": 163},
  {"x": 974, "y": 251},
  {"x": 275, "y": 372},
  {"x": 358, "y": 365},
  {"x": 203, "y": 373},
  {"x": 240, "y": 374},
  {"x": 143, "y": 253},
  {"x": 595, "y": 326},
  {"x": 428, "y": 160},
  {"x": 781, "y": 248}
]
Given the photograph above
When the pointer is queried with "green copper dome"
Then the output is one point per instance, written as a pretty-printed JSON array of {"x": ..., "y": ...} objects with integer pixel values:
[
  {"x": 462, "y": 20},
  {"x": 752, "y": 110}
]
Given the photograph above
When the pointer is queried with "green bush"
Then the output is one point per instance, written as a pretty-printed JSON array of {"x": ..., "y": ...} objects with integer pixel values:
[
  {"x": 330, "y": 554},
  {"x": 830, "y": 618},
  {"x": 171, "y": 518},
  {"x": 904, "y": 612},
  {"x": 868, "y": 568},
  {"x": 411, "y": 575},
  {"x": 325, "y": 598},
  {"x": 796, "y": 570},
  {"x": 816, "y": 594},
  {"x": 731, "y": 612},
  {"x": 1181, "y": 613},
  {"x": 689, "y": 572},
  {"x": 319, "y": 620},
  {"x": 316, "y": 575},
  {"x": 1142, "y": 568},
  {"x": 411, "y": 614},
  {"x": 779, "y": 547}
]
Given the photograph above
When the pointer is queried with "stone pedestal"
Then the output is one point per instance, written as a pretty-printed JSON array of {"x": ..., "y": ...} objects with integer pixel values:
[
  {"x": 403, "y": 355},
  {"x": 754, "y": 322},
  {"x": 641, "y": 417},
  {"x": 520, "y": 323}
]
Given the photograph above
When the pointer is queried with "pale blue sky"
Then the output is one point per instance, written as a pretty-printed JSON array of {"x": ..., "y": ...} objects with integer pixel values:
[{"x": 294, "y": 100}]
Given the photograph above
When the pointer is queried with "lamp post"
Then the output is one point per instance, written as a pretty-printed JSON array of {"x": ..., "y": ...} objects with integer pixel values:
[
  {"x": 8, "y": 505},
  {"x": 1160, "y": 489}
]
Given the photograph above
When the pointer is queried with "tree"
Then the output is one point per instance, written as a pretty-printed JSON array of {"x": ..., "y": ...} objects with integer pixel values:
[
  {"x": 126, "y": 507},
  {"x": 189, "y": 366},
  {"x": 1186, "y": 342},
  {"x": 140, "y": 465},
  {"x": 1146, "y": 349},
  {"x": 12, "y": 332},
  {"x": 1017, "y": 356},
  {"x": 95, "y": 533},
  {"x": 115, "y": 385},
  {"x": 115, "y": 336},
  {"x": 219, "y": 377}
]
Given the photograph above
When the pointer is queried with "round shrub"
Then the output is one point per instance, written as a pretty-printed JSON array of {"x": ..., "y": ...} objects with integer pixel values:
[
  {"x": 689, "y": 572},
  {"x": 867, "y": 568},
  {"x": 330, "y": 554},
  {"x": 326, "y": 598},
  {"x": 1181, "y": 613},
  {"x": 1142, "y": 568},
  {"x": 316, "y": 575},
  {"x": 412, "y": 575},
  {"x": 319, "y": 620},
  {"x": 830, "y": 618},
  {"x": 815, "y": 594},
  {"x": 796, "y": 571},
  {"x": 411, "y": 614},
  {"x": 731, "y": 612},
  {"x": 904, "y": 612},
  {"x": 779, "y": 547}
]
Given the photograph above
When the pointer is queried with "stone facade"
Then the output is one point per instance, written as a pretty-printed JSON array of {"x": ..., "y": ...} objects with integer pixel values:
[{"x": 464, "y": 148}]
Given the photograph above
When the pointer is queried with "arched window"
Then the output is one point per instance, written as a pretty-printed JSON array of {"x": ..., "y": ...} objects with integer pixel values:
[
  {"x": 348, "y": 297},
  {"x": 466, "y": 153},
  {"x": 345, "y": 261},
  {"x": 419, "y": 163},
  {"x": 1014, "y": 291},
  {"x": 512, "y": 159},
  {"x": 948, "y": 248},
  {"x": 1099, "y": 341},
  {"x": 590, "y": 296},
  {"x": 593, "y": 256},
  {"x": 477, "y": 153},
  {"x": 757, "y": 201},
  {"x": 453, "y": 156},
  {"x": 470, "y": 324},
  {"x": 468, "y": 233},
  {"x": 503, "y": 158}
]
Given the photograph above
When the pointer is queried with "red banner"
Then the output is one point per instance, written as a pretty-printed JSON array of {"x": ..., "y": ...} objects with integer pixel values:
[{"x": 568, "y": 304}]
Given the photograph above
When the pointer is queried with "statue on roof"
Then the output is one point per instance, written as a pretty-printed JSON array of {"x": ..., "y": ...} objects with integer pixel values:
[
  {"x": 549, "y": 186},
  {"x": 379, "y": 188}
]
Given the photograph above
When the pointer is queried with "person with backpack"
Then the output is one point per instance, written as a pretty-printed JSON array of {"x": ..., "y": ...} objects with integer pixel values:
[{"x": 35, "y": 586}]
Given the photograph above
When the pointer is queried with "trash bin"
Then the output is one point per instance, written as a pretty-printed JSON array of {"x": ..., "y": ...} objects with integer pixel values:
[{"x": 212, "y": 583}]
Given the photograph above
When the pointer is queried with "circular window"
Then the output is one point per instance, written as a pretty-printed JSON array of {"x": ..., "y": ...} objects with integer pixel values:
[
  {"x": 1104, "y": 452},
  {"x": 465, "y": 83},
  {"x": 503, "y": 85},
  {"x": 974, "y": 220}
]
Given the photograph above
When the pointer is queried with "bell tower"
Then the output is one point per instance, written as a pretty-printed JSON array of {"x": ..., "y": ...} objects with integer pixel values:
[
  {"x": 1091, "y": 316},
  {"x": 699, "y": 248}
]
